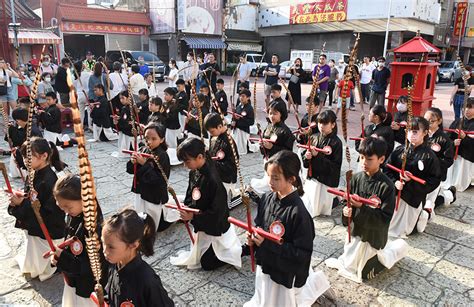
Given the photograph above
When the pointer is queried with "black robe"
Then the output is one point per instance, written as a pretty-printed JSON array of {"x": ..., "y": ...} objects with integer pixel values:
[
  {"x": 143, "y": 111},
  {"x": 221, "y": 98},
  {"x": 136, "y": 283},
  {"x": 371, "y": 224},
  {"x": 244, "y": 123},
  {"x": 400, "y": 133},
  {"x": 172, "y": 112},
  {"x": 443, "y": 147},
  {"x": 193, "y": 125},
  {"x": 157, "y": 117},
  {"x": 287, "y": 264},
  {"x": 183, "y": 102},
  {"x": 212, "y": 201},
  {"x": 51, "y": 119},
  {"x": 76, "y": 268},
  {"x": 150, "y": 183},
  {"x": 283, "y": 135},
  {"x": 466, "y": 148},
  {"x": 101, "y": 113},
  {"x": 125, "y": 121},
  {"x": 53, "y": 216},
  {"x": 226, "y": 167},
  {"x": 379, "y": 130},
  {"x": 325, "y": 168},
  {"x": 414, "y": 193}
]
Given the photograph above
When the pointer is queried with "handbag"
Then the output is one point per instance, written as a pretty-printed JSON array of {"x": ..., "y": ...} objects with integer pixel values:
[
  {"x": 294, "y": 79},
  {"x": 3, "y": 86}
]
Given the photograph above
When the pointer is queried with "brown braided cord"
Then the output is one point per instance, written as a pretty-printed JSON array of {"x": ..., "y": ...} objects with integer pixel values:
[
  {"x": 31, "y": 109},
  {"x": 88, "y": 194},
  {"x": 196, "y": 100},
  {"x": 255, "y": 85},
  {"x": 466, "y": 93},
  {"x": 292, "y": 103}
]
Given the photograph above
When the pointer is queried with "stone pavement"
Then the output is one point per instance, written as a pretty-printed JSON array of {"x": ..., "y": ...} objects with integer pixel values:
[{"x": 438, "y": 270}]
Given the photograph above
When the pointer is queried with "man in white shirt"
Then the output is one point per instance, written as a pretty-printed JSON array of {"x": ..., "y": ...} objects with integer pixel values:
[
  {"x": 190, "y": 72},
  {"x": 244, "y": 71},
  {"x": 137, "y": 82},
  {"x": 341, "y": 66},
  {"x": 365, "y": 78}
]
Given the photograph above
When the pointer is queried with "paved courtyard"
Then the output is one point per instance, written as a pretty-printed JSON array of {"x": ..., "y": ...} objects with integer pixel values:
[{"x": 438, "y": 270}]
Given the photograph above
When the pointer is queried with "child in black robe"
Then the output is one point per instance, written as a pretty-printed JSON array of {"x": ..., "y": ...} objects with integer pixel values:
[
  {"x": 157, "y": 111},
  {"x": 51, "y": 119},
  {"x": 443, "y": 147},
  {"x": 324, "y": 168},
  {"x": 142, "y": 105},
  {"x": 284, "y": 276},
  {"x": 221, "y": 98},
  {"x": 44, "y": 157},
  {"x": 221, "y": 152},
  {"x": 173, "y": 127},
  {"x": 149, "y": 185},
  {"x": 124, "y": 123},
  {"x": 400, "y": 120},
  {"x": 461, "y": 174},
  {"x": 216, "y": 242},
  {"x": 369, "y": 250},
  {"x": 126, "y": 236},
  {"x": 183, "y": 102},
  {"x": 421, "y": 162},
  {"x": 276, "y": 137},
  {"x": 101, "y": 116},
  {"x": 195, "y": 125},
  {"x": 73, "y": 260},
  {"x": 243, "y": 118}
]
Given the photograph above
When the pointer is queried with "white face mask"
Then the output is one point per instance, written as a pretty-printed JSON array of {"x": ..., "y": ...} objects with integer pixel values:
[
  {"x": 47, "y": 79},
  {"x": 381, "y": 64},
  {"x": 402, "y": 107},
  {"x": 189, "y": 58},
  {"x": 45, "y": 63}
]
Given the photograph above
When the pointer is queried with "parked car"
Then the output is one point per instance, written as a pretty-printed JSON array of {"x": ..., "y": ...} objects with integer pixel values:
[
  {"x": 155, "y": 65},
  {"x": 257, "y": 64},
  {"x": 449, "y": 71}
]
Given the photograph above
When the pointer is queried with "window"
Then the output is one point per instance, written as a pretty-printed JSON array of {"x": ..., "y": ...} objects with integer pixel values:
[
  {"x": 407, "y": 79},
  {"x": 428, "y": 81}
]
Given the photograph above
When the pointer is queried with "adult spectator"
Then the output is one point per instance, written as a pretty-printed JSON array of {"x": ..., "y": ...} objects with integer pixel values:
[
  {"x": 323, "y": 78},
  {"x": 44, "y": 87},
  {"x": 82, "y": 88},
  {"x": 212, "y": 70},
  {"x": 294, "y": 86},
  {"x": 190, "y": 72},
  {"x": 89, "y": 62},
  {"x": 150, "y": 85},
  {"x": 365, "y": 77},
  {"x": 98, "y": 77},
  {"x": 457, "y": 96},
  {"x": 24, "y": 82},
  {"x": 172, "y": 77},
  {"x": 143, "y": 67},
  {"x": 47, "y": 66},
  {"x": 120, "y": 81},
  {"x": 34, "y": 62},
  {"x": 137, "y": 82},
  {"x": 61, "y": 85},
  {"x": 6, "y": 87},
  {"x": 245, "y": 69},
  {"x": 333, "y": 78},
  {"x": 380, "y": 79},
  {"x": 271, "y": 77}
]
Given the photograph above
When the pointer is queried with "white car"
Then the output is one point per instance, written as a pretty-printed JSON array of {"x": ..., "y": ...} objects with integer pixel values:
[{"x": 256, "y": 63}]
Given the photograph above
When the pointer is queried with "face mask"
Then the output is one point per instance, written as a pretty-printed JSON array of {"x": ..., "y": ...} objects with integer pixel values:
[
  {"x": 401, "y": 107},
  {"x": 45, "y": 63},
  {"x": 189, "y": 58},
  {"x": 340, "y": 65},
  {"x": 381, "y": 64},
  {"x": 47, "y": 79},
  {"x": 467, "y": 73}
]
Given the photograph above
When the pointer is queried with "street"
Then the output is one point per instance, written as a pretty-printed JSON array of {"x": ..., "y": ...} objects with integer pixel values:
[{"x": 438, "y": 270}]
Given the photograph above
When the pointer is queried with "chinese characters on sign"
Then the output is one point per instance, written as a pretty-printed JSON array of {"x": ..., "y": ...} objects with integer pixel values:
[
  {"x": 460, "y": 21},
  {"x": 102, "y": 28},
  {"x": 318, "y": 11}
]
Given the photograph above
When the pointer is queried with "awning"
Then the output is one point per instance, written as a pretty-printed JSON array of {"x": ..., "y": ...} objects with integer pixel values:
[
  {"x": 240, "y": 46},
  {"x": 34, "y": 37},
  {"x": 204, "y": 43}
]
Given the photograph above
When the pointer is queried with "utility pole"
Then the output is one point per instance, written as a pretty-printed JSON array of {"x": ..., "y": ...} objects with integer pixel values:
[
  {"x": 387, "y": 28},
  {"x": 15, "y": 26},
  {"x": 4, "y": 33}
]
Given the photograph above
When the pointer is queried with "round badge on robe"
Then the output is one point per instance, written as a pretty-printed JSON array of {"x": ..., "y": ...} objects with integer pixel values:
[
  {"x": 244, "y": 113},
  {"x": 421, "y": 165},
  {"x": 435, "y": 147},
  {"x": 222, "y": 99},
  {"x": 403, "y": 123},
  {"x": 220, "y": 154},
  {"x": 277, "y": 229},
  {"x": 125, "y": 116},
  {"x": 376, "y": 199},
  {"x": 374, "y": 135},
  {"x": 196, "y": 194},
  {"x": 127, "y": 304},
  {"x": 327, "y": 149},
  {"x": 76, "y": 247},
  {"x": 273, "y": 138}
]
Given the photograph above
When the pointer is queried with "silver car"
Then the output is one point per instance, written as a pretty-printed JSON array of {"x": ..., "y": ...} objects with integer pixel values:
[{"x": 449, "y": 71}]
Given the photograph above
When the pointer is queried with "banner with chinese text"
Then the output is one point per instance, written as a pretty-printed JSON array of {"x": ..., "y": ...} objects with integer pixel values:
[
  {"x": 460, "y": 21},
  {"x": 318, "y": 11},
  {"x": 102, "y": 28}
]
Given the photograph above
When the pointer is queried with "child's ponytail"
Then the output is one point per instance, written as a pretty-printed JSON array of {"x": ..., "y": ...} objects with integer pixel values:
[
  {"x": 149, "y": 235},
  {"x": 55, "y": 159}
]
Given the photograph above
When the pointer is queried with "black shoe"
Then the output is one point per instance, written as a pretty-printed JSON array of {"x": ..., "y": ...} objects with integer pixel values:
[
  {"x": 372, "y": 268},
  {"x": 453, "y": 190},
  {"x": 335, "y": 202},
  {"x": 245, "y": 250},
  {"x": 439, "y": 201}
]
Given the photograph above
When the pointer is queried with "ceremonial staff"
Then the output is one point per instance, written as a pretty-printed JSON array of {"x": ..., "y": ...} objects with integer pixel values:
[
  {"x": 196, "y": 100},
  {"x": 312, "y": 95},
  {"x": 292, "y": 103},
  {"x": 255, "y": 86},
  {"x": 344, "y": 121},
  {"x": 410, "y": 88},
  {"x": 112, "y": 109},
  {"x": 465, "y": 79},
  {"x": 88, "y": 195}
]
